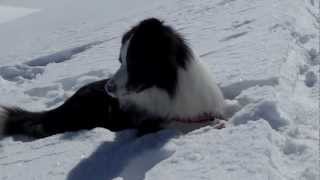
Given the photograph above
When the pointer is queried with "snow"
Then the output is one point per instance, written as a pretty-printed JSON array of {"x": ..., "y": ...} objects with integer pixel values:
[
  {"x": 8, "y": 13},
  {"x": 264, "y": 54},
  {"x": 310, "y": 79}
]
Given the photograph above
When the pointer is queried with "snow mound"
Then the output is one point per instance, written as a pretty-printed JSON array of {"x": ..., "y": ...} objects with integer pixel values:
[
  {"x": 266, "y": 110},
  {"x": 259, "y": 153},
  {"x": 19, "y": 72}
]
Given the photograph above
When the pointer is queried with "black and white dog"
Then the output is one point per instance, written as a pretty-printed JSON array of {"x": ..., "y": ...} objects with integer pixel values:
[{"x": 159, "y": 84}]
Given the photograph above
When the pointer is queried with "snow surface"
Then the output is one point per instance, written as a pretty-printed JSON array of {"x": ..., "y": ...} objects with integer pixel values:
[
  {"x": 264, "y": 54},
  {"x": 8, "y": 13}
]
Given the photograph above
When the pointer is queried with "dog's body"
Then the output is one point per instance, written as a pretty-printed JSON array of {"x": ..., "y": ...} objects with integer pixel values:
[
  {"x": 159, "y": 84},
  {"x": 89, "y": 107}
]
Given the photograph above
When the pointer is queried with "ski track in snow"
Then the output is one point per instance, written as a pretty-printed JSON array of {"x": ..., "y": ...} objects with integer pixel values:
[{"x": 264, "y": 55}]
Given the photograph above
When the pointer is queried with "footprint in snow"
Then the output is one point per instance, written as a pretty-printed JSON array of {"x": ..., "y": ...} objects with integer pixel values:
[
  {"x": 310, "y": 79},
  {"x": 31, "y": 69},
  {"x": 314, "y": 57}
]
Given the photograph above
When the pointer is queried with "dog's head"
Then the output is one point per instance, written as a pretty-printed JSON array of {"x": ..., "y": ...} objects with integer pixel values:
[
  {"x": 150, "y": 56},
  {"x": 160, "y": 75}
]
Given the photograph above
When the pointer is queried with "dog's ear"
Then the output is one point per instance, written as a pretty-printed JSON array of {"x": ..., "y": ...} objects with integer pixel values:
[
  {"x": 151, "y": 41},
  {"x": 161, "y": 42},
  {"x": 151, "y": 22},
  {"x": 155, "y": 53},
  {"x": 147, "y": 23}
]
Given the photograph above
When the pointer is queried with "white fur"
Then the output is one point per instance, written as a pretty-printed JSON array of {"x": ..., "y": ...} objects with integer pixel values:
[
  {"x": 3, "y": 117},
  {"x": 196, "y": 93},
  {"x": 124, "y": 51},
  {"x": 120, "y": 78}
]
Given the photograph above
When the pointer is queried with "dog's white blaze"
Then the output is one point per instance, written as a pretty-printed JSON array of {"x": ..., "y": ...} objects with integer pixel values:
[
  {"x": 124, "y": 51},
  {"x": 120, "y": 78},
  {"x": 3, "y": 117},
  {"x": 197, "y": 93}
]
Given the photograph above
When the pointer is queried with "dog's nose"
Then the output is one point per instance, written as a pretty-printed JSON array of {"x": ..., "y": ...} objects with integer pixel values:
[{"x": 110, "y": 86}]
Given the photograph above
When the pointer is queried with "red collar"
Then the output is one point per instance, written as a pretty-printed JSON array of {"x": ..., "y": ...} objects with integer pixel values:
[{"x": 202, "y": 118}]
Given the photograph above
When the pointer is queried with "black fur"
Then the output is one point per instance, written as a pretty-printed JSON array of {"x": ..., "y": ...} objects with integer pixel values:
[
  {"x": 88, "y": 108},
  {"x": 154, "y": 53}
]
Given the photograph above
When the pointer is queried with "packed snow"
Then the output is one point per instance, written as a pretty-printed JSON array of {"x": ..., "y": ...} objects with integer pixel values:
[
  {"x": 264, "y": 54},
  {"x": 8, "y": 13}
]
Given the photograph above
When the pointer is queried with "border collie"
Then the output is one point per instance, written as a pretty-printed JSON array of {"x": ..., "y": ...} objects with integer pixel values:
[{"x": 159, "y": 84}]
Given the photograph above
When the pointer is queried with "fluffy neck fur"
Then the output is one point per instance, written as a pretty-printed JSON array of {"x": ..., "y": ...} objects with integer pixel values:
[{"x": 196, "y": 93}]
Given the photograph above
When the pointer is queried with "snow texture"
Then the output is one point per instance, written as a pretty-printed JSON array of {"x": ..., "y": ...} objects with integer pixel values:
[
  {"x": 264, "y": 55},
  {"x": 8, "y": 13}
]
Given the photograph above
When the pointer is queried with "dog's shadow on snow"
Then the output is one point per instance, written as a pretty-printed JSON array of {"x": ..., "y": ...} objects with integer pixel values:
[{"x": 128, "y": 157}]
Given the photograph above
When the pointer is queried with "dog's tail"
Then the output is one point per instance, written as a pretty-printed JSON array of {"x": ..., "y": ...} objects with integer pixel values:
[{"x": 19, "y": 121}]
